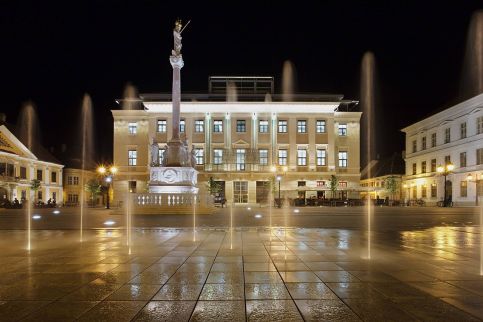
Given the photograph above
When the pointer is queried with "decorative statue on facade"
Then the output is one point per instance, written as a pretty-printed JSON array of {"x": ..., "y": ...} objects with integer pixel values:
[
  {"x": 193, "y": 156},
  {"x": 154, "y": 154}
]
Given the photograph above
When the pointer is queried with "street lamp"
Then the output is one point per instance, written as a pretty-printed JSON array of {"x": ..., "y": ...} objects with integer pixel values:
[
  {"x": 445, "y": 170},
  {"x": 107, "y": 174},
  {"x": 469, "y": 178},
  {"x": 279, "y": 179}
]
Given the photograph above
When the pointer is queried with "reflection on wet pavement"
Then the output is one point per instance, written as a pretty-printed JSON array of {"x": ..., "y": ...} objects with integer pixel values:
[{"x": 315, "y": 274}]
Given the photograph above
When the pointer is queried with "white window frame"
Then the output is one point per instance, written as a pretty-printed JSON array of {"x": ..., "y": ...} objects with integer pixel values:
[
  {"x": 342, "y": 129},
  {"x": 132, "y": 157},
  {"x": 162, "y": 126},
  {"x": 320, "y": 126},
  {"x": 132, "y": 128},
  {"x": 301, "y": 157},
  {"x": 321, "y": 159},
  {"x": 343, "y": 159}
]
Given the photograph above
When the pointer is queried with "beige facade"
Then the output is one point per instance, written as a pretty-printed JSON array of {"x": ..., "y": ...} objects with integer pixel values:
[
  {"x": 19, "y": 166},
  {"x": 239, "y": 143},
  {"x": 73, "y": 186},
  {"x": 375, "y": 187}
]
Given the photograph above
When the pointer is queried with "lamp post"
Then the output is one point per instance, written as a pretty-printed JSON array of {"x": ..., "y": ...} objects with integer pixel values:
[
  {"x": 107, "y": 174},
  {"x": 278, "y": 177},
  {"x": 469, "y": 178},
  {"x": 445, "y": 170}
]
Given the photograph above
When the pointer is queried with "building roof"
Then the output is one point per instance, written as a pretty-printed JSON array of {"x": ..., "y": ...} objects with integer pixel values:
[
  {"x": 393, "y": 165},
  {"x": 37, "y": 150}
]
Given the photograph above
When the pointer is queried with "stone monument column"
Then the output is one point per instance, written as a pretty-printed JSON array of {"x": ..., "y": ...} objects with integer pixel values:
[{"x": 177, "y": 63}]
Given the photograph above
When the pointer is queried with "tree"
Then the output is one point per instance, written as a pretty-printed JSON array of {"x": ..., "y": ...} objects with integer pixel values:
[
  {"x": 333, "y": 184},
  {"x": 391, "y": 185},
  {"x": 35, "y": 185},
  {"x": 94, "y": 188},
  {"x": 213, "y": 186}
]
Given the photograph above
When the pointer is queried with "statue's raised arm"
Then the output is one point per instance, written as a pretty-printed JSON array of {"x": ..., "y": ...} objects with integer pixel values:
[{"x": 178, "y": 27}]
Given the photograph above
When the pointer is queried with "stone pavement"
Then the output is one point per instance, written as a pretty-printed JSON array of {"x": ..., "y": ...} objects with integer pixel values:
[{"x": 245, "y": 274}]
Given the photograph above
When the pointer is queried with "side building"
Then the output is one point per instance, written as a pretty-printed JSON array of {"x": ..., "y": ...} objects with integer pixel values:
[
  {"x": 448, "y": 144},
  {"x": 19, "y": 166},
  {"x": 245, "y": 144},
  {"x": 375, "y": 175}
]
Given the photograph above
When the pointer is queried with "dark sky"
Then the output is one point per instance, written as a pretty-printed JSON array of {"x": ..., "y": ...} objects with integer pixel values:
[{"x": 52, "y": 53}]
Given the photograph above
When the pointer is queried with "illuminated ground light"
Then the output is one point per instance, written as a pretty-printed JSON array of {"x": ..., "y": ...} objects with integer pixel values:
[
  {"x": 56, "y": 212},
  {"x": 296, "y": 211},
  {"x": 249, "y": 208},
  {"x": 36, "y": 217},
  {"x": 109, "y": 223},
  {"x": 258, "y": 216}
]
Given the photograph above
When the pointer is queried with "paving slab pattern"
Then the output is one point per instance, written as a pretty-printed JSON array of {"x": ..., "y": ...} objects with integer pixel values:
[{"x": 254, "y": 274}]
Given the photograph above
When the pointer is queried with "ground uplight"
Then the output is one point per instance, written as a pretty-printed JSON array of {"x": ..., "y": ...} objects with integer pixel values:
[
  {"x": 109, "y": 222},
  {"x": 36, "y": 217}
]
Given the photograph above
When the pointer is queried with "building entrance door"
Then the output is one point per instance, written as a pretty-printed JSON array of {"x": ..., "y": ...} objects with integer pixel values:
[
  {"x": 449, "y": 191},
  {"x": 240, "y": 191},
  {"x": 263, "y": 191}
]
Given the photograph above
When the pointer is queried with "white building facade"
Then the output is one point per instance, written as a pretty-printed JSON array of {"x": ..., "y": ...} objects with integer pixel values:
[
  {"x": 243, "y": 145},
  {"x": 453, "y": 136}
]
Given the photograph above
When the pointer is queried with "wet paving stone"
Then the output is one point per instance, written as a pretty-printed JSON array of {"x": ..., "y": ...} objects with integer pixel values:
[
  {"x": 326, "y": 310},
  {"x": 214, "y": 292},
  {"x": 378, "y": 310},
  {"x": 166, "y": 311},
  {"x": 61, "y": 311},
  {"x": 179, "y": 292},
  {"x": 219, "y": 311},
  {"x": 310, "y": 291},
  {"x": 272, "y": 310},
  {"x": 113, "y": 311},
  {"x": 266, "y": 292}
]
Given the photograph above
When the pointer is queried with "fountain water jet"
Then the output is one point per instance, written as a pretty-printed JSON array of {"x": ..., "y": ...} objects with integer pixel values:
[
  {"x": 472, "y": 81},
  {"x": 194, "y": 218},
  {"x": 28, "y": 130},
  {"x": 87, "y": 152},
  {"x": 368, "y": 104},
  {"x": 288, "y": 81}
]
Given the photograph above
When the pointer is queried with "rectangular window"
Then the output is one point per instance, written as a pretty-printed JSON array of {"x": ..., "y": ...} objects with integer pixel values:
[
  {"x": 39, "y": 195},
  {"x": 415, "y": 146},
  {"x": 162, "y": 126},
  {"x": 301, "y": 157},
  {"x": 424, "y": 191},
  {"x": 241, "y": 126},
  {"x": 463, "y": 130},
  {"x": 73, "y": 198},
  {"x": 53, "y": 177},
  {"x": 217, "y": 126},
  {"x": 434, "y": 190},
  {"x": 23, "y": 173},
  {"x": 433, "y": 165},
  {"x": 433, "y": 140},
  {"x": 132, "y": 186},
  {"x": 282, "y": 157},
  {"x": 447, "y": 135},
  {"x": 132, "y": 157},
  {"x": 447, "y": 159},
  {"x": 240, "y": 159},
  {"x": 301, "y": 126},
  {"x": 463, "y": 188},
  {"x": 39, "y": 175},
  {"x": 282, "y": 126},
  {"x": 415, "y": 192},
  {"x": 133, "y": 128},
  {"x": 182, "y": 126},
  {"x": 479, "y": 156},
  {"x": 75, "y": 181},
  {"x": 342, "y": 129},
  {"x": 199, "y": 126},
  {"x": 320, "y": 183},
  {"x": 301, "y": 183},
  {"x": 321, "y": 157},
  {"x": 263, "y": 156},
  {"x": 479, "y": 125},
  {"x": 463, "y": 159},
  {"x": 343, "y": 159},
  {"x": 320, "y": 126},
  {"x": 423, "y": 143},
  {"x": 423, "y": 167},
  {"x": 217, "y": 156},
  {"x": 160, "y": 156},
  {"x": 240, "y": 191},
  {"x": 263, "y": 126},
  {"x": 70, "y": 181},
  {"x": 199, "y": 156},
  {"x": 414, "y": 168}
]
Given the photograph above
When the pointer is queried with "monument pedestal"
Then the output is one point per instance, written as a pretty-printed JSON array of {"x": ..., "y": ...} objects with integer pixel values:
[{"x": 173, "y": 180}]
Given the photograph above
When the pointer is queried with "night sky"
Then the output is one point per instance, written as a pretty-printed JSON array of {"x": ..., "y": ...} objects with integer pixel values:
[{"x": 52, "y": 53}]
